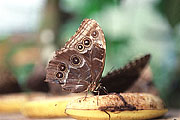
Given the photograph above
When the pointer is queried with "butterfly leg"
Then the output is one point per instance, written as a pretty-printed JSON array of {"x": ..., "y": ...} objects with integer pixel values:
[
  {"x": 97, "y": 90},
  {"x": 101, "y": 90},
  {"x": 86, "y": 93},
  {"x": 104, "y": 89}
]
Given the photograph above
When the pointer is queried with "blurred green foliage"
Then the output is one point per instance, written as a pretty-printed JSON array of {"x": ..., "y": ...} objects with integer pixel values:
[
  {"x": 85, "y": 8},
  {"x": 22, "y": 73},
  {"x": 170, "y": 9}
]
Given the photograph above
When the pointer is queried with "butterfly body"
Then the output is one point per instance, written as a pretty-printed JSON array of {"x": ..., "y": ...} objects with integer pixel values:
[{"x": 80, "y": 63}]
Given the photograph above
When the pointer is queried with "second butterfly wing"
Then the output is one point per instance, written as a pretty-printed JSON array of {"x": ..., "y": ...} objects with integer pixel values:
[
  {"x": 120, "y": 80},
  {"x": 80, "y": 63}
]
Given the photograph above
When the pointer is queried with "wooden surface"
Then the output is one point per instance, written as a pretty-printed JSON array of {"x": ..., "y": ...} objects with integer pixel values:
[{"x": 171, "y": 115}]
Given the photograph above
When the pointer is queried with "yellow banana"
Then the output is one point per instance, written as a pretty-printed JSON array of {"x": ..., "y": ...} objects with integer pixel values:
[
  {"x": 47, "y": 107},
  {"x": 92, "y": 108},
  {"x": 11, "y": 103},
  {"x": 105, "y": 107}
]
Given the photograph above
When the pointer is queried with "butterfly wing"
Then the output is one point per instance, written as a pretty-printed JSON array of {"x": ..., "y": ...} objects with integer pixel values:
[
  {"x": 80, "y": 63},
  {"x": 120, "y": 80}
]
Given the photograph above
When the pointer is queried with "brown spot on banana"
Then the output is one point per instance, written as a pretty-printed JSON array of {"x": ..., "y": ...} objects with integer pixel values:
[
  {"x": 112, "y": 107},
  {"x": 142, "y": 101}
]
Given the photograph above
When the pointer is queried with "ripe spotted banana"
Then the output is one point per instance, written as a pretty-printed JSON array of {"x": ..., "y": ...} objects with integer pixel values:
[{"x": 115, "y": 107}]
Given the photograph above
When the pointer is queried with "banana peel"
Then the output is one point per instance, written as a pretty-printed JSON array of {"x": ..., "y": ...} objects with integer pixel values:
[
  {"x": 112, "y": 107},
  {"x": 48, "y": 106},
  {"x": 12, "y": 103},
  {"x": 124, "y": 115}
]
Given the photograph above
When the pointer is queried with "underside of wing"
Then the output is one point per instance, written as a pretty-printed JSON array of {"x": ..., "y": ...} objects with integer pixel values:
[{"x": 80, "y": 63}]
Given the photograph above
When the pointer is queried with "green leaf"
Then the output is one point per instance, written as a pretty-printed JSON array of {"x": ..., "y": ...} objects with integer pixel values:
[{"x": 171, "y": 10}]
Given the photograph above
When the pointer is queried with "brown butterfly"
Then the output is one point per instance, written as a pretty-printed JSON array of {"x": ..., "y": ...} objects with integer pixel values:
[
  {"x": 80, "y": 63},
  {"x": 78, "y": 66}
]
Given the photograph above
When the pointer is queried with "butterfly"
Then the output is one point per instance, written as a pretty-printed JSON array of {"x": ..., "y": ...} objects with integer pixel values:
[
  {"x": 80, "y": 63},
  {"x": 78, "y": 66}
]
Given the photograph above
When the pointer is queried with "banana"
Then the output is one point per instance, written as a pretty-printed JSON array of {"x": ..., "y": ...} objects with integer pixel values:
[
  {"x": 115, "y": 107},
  {"x": 130, "y": 106},
  {"x": 48, "y": 106},
  {"x": 12, "y": 103}
]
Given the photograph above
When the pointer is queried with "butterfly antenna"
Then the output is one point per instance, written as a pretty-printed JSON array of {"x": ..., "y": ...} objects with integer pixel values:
[{"x": 111, "y": 69}]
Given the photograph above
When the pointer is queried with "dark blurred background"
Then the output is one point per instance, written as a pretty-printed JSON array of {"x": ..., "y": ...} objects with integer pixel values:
[{"x": 30, "y": 32}]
